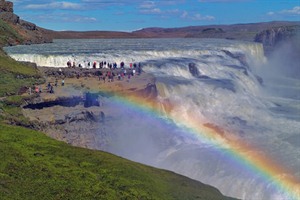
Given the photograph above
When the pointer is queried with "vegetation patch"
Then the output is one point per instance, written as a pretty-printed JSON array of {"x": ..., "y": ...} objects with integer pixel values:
[
  {"x": 34, "y": 166},
  {"x": 8, "y": 34},
  {"x": 15, "y": 75}
]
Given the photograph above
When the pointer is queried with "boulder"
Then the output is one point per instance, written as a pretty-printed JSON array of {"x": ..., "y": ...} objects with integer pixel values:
[{"x": 194, "y": 70}]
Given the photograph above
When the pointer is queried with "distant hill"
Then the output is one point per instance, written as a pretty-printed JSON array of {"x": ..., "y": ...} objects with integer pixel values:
[
  {"x": 28, "y": 33},
  {"x": 245, "y": 32},
  {"x": 237, "y": 31},
  {"x": 267, "y": 33}
]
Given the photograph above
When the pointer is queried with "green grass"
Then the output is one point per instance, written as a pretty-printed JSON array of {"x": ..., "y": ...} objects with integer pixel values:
[
  {"x": 15, "y": 75},
  {"x": 10, "y": 65},
  {"x": 11, "y": 112},
  {"x": 34, "y": 166},
  {"x": 8, "y": 34}
]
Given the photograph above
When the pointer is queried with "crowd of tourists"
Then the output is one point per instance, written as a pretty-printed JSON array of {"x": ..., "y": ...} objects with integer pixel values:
[
  {"x": 102, "y": 65},
  {"x": 110, "y": 72},
  {"x": 114, "y": 70}
]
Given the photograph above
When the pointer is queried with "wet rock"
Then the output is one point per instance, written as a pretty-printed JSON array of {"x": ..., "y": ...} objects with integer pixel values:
[
  {"x": 239, "y": 56},
  {"x": 194, "y": 70},
  {"x": 270, "y": 38},
  {"x": 149, "y": 92},
  {"x": 91, "y": 99}
]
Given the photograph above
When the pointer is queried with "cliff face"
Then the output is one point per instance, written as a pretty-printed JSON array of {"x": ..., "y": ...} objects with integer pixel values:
[
  {"x": 273, "y": 36},
  {"x": 6, "y": 6},
  {"x": 25, "y": 32}
]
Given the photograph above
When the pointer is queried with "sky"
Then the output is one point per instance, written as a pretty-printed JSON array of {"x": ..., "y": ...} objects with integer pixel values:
[{"x": 131, "y": 15}]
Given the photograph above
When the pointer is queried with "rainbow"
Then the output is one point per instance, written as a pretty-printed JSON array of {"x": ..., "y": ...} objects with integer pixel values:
[{"x": 243, "y": 154}]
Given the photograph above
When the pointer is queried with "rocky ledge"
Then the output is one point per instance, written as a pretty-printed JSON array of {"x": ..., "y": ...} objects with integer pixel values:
[
  {"x": 272, "y": 37},
  {"x": 77, "y": 111}
]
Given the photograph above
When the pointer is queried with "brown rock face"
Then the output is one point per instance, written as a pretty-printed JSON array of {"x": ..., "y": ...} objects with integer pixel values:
[
  {"x": 6, "y": 6},
  {"x": 27, "y": 32},
  {"x": 10, "y": 17},
  {"x": 28, "y": 25}
]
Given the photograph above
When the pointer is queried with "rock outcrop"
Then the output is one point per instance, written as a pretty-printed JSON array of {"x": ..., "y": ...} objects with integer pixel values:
[
  {"x": 76, "y": 125},
  {"x": 274, "y": 36},
  {"x": 28, "y": 25},
  {"x": 10, "y": 17},
  {"x": 6, "y": 6},
  {"x": 28, "y": 32}
]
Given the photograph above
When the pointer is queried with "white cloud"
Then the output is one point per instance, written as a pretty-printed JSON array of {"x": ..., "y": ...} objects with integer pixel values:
[
  {"x": 55, "y": 5},
  {"x": 84, "y": 19},
  {"x": 147, "y": 5},
  {"x": 62, "y": 17},
  {"x": 211, "y": 1},
  {"x": 184, "y": 14},
  {"x": 197, "y": 17},
  {"x": 151, "y": 11},
  {"x": 293, "y": 11}
]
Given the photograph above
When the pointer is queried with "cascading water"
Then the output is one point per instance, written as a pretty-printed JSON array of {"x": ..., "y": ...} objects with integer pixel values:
[{"x": 212, "y": 83}]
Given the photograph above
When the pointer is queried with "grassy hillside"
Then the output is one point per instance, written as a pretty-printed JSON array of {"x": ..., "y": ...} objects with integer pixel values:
[
  {"x": 13, "y": 75},
  {"x": 8, "y": 34},
  {"x": 34, "y": 166}
]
